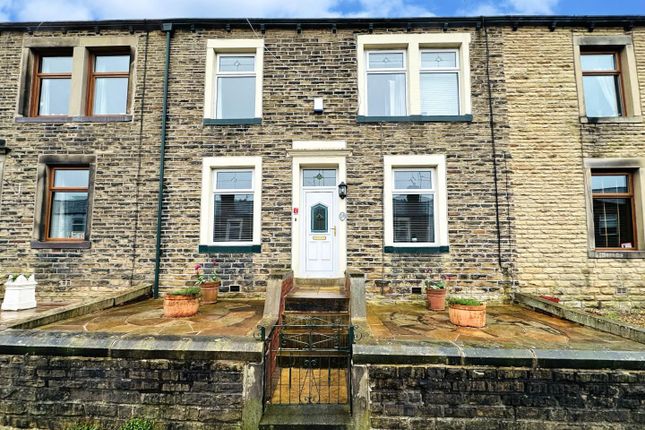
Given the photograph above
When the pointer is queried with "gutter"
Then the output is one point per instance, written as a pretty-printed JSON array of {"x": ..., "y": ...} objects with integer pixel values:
[{"x": 167, "y": 28}]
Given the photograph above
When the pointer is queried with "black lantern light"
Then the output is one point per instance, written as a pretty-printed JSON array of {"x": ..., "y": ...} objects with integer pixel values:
[{"x": 342, "y": 190}]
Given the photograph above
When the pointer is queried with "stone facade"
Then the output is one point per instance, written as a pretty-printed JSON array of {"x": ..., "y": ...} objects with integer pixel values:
[{"x": 526, "y": 230}]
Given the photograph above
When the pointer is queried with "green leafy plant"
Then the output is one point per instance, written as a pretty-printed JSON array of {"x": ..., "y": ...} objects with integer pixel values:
[
  {"x": 138, "y": 424},
  {"x": 191, "y": 291},
  {"x": 15, "y": 276},
  {"x": 203, "y": 277},
  {"x": 435, "y": 285},
  {"x": 84, "y": 426},
  {"x": 464, "y": 301}
]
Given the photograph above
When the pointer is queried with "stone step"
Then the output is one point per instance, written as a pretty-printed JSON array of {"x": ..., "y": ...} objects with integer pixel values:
[
  {"x": 315, "y": 318},
  {"x": 309, "y": 417},
  {"x": 319, "y": 282},
  {"x": 317, "y": 303}
]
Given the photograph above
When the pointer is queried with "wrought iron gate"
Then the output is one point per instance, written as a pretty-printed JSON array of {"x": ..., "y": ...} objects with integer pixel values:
[{"x": 308, "y": 361}]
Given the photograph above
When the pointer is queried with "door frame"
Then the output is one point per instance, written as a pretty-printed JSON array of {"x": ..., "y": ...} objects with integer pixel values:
[
  {"x": 313, "y": 160},
  {"x": 333, "y": 220}
]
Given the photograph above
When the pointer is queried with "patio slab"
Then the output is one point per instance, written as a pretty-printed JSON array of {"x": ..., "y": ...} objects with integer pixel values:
[
  {"x": 9, "y": 318},
  {"x": 508, "y": 327},
  {"x": 225, "y": 318}
]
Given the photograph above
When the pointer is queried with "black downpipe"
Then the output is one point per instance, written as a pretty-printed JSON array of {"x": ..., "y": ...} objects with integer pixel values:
[
  {"x": 167, "y": 28},
  {"x": 491, "y": 124}
]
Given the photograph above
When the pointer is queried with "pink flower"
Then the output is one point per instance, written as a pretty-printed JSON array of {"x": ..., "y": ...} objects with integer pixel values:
[{"x": 198, "y": 266}]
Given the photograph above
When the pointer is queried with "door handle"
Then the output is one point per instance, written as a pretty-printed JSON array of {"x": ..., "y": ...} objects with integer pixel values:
[{"x": 334, "y": 228}]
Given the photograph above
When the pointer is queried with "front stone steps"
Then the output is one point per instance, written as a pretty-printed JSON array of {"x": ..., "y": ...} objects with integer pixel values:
[
  {"x": 309, "y": 417},
  {"x": 317, "y": 295}
]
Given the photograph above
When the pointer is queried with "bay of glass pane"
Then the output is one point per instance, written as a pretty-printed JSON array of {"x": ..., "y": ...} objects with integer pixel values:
[
  {"x": 112, "y": 63},
  {"x": 54, "y": 96},
  {"x": 110, "y": 96},
  {"x": 439, "y": 94},
  {"x": 412, "y": 179},
  {"x": 56, "y": 64},
  {"x": 613, "y": 226},
  {"x": 438, "y": 59},
  {"x": 413, "y": 218},
  {"x": 68, "y": 216},
  {"x": 233, "y": 221},
  {"x": 601, "y": 96},
  {"x": 235, "y": 97},
  {"x": 386, "y": 94},
  {"x": 319, "y": 177},
  {"x": 610, "y": 184},
  {"x": 319, "y": 219},
  {"x": 237, "y": 63},
  {"x": 237, "y": 180},
  {"x": 597, "y": 62},
  {"x": 71, "y": 178},
  {"x": 386, "y": 60}
]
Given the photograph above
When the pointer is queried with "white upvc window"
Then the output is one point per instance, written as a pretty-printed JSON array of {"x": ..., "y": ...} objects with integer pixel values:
[
  {"x": 386, "y": 83},
  {"x": 414, "y": 74},
  {"x": 415, "y": 201},
  {"x": 231, "y": 201},
  {"x": 440, "y": 82},
  {"x": 234, "y": 79}
]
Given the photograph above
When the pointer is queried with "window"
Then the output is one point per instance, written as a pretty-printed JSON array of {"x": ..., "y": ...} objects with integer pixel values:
[
  {"x": 602, "y": 83},
  {"x": 613, "y": 210},
  {"x": 231, "y": 190},
  {"x": 606, "y": 78},
  {"x": 386, "y": 87},
  {"x": 108, "y": 84},
  {"x": 440, "y": 82},
  {"x": 67, "y": 203},
  {"x": 233, "y": 81},
  {"x": 415, "y": 77},
  {"x": 52, "y": 84},
  {"x": 415, "y": 202}
]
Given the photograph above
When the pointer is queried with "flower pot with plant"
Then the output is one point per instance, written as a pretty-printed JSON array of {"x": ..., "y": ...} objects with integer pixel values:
[
  {"x": 435, "y": 294},
  {"x": 467, "y": 312},
  {"x": 209, "y": 282},
  {"x": 20, "y": 292},
  {"x": 181, "y": 303}
]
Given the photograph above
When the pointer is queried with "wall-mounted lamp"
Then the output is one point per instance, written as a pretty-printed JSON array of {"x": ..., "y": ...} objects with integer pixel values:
[{"x": 342, "y": 190}]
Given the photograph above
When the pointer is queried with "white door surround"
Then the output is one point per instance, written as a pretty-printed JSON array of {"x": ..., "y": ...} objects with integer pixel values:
[{"x": 316, "y": 155}]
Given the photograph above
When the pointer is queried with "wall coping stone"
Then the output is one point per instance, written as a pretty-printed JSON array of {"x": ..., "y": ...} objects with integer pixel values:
[{"x": 599, "y": 323}]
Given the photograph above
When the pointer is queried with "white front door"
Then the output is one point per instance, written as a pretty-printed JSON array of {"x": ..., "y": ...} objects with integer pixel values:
[{"x": 320, "y": 230}]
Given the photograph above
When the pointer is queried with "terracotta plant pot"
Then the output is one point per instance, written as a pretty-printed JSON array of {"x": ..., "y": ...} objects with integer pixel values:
[
  {"x": 468, "y": 316},
  {"x": 180, "y": 306},
  {"x": 436, "y": 299},
  {"x": 209, "y": 292}
]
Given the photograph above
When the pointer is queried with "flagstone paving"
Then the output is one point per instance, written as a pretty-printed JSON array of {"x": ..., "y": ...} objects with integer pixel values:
[
  {"x": 507, "y": 326},
  {"x": 224, "y": 318},
  {"x": 8, "y": 318}
]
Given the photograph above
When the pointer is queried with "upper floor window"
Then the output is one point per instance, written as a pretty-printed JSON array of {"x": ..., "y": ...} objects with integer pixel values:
[
  {"x": 52, "y": 84},
  {"x": 108, "y": 84},
  {"x": 233, "y": 81},
  {"x": 613, "y": 209},
  {"x": 602, "y": 83},
  {"x": 420, "y": 76},
  {"x": 235, "y": 91}
]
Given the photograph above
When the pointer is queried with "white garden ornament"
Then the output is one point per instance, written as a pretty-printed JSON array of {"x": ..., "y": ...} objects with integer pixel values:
[{"x": 19, "y": 293}]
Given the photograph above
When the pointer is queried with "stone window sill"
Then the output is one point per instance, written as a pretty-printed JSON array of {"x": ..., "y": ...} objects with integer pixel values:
[
  {"x": 416, "y": 249},
  {"x": 619, "y": 255},
  {"x": 611, "y": 120},
  {"x": 233, "y": 249},
  {"x": 415, "y": 118},
  {"x": 74, "y": 119},
  {"x": 81, "y": 244},
  {"x": 232, "y": 121}
]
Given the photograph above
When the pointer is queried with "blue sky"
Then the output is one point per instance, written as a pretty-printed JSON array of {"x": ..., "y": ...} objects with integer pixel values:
[{"x": 44, "y": 10}]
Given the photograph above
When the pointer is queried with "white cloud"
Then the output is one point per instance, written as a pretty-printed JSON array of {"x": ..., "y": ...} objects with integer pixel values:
[
  {"x": 389, "y": 8},
  {"x": 512, "y": 7}
]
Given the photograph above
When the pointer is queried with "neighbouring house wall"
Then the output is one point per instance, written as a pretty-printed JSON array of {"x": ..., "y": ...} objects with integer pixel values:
[
  {"x": 320, "y": 63},
  {"x": 124, "y": 203},
  {"x": 548, "y": 144},
  {"x": 57, "y": 392},
  {"x": 428, "y": 397}
]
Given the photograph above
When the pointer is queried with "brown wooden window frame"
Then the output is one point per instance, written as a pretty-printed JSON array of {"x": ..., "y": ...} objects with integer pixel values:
[
  {"x": 51, "y": 189},
  {"x": 92, "y": 76},
  {"x": 628, "y": 195},
  {"x": 618, "y": 72},
  {"x": 38, "y": 76}
]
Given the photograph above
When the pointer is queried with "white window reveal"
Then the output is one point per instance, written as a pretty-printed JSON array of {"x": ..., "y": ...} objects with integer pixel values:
[
  {"x": 415, "y": 201},
  {"x": 231, "y": 201},
  {"x": 386, "y": 83},
  {"x": 440, "y": 82},
  {"x": 236, "y": 82}
]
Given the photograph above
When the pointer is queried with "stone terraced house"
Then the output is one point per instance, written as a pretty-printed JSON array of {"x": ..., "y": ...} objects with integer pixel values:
[{"x": 506, "y": 153}]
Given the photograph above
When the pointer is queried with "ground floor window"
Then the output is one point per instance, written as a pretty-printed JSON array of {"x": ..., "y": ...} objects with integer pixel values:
[
  {"x": 613, "y": 209},
  {"x": 231, "y": 189},
  {"x": 67, "y": 201}
]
